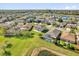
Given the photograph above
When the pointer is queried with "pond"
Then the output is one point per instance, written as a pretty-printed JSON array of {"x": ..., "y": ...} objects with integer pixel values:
[{"x": 46, "y": 53}]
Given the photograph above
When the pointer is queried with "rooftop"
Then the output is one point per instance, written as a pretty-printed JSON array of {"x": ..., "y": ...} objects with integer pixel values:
[{"x": 69, "y": 37}]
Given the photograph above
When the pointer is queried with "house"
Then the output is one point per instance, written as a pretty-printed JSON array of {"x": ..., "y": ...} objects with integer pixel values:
[
  {"x": 8, "y": 24},
  {"x": 77, "y": 17},
  {"x": 51, "y": 35},
  {"x": 54, "y": 17},
  {"x": 77, "y": 37},
  {"x": 65, "y": 17},
  {"x": 63, "y": 24},
  {"x": 47, "y": 21},
  {"x": 67, "y": 29},
  {"x": 73, "y": 22},
  {"x": 68, "y": 37},
  {"x": 71, "y": 25},
  {"x": 18, "y": 26},
  {"x": 29, "y": 20},
  {"x": 27, "y": 27},
  {"x": 12, "y": 31},
  {"x": 47, "y": 38},
  {"x": 3, "y": 19},
  {"x": 10, "y": 18},
  {"x": 40, "y": 28},
  {"x": 38, "y": 20},
  {"x": 8, "y": 34},
  {"x": 19, "y": 21},
  {"x": 78, "y": 23},
  {"x": 12, "y": 23},
  {"x": 55, "y": 33},
  {"x": 0, "y": 16},
  {"x": 51, "y": 21}
]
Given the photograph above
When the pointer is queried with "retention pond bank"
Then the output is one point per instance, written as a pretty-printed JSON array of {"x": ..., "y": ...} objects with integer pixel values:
[{"x": 42, "y": 51}]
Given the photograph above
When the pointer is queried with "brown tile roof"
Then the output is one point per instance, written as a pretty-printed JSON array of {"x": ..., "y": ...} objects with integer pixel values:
[{"x": 69, "y": 37}]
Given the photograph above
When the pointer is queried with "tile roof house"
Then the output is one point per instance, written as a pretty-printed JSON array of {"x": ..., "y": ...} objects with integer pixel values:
[
  {"x": 8, "y": 24},
  {"x": 19, "y": 21},
  {"x": 63, "y": 24},
  {"x": 78, "y": 23},
  {"x": 12, "y": 31},
  {"x": 0, "y": 16},
  {"x": 10, "y": 18},
  {"x": 40, "y": 27},
  {"x": 77, "y": 37},
  {"x": 27, "y": 27},
  {"x": 68, "y": 37},
  {"x": 77, "y": 17},
  {"x": 54, "y": 17},
  {"x": 71, "y": 25},
  {"x": 3, "y": 19},
  {"x": 51, "y": 21}
]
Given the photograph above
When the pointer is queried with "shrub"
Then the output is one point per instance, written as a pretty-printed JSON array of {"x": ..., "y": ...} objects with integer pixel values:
[
  {"x": 45, "y": 30},
  {"x": 6, "y": 53}
]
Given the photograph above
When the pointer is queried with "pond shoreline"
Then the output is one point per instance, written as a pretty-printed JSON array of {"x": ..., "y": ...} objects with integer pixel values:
[{"x": 36, "y": 51}]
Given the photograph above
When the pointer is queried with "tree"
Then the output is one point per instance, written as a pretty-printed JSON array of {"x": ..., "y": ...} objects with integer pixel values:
[
  {"x": 54, "y": 24},
  {"x": 55, "y": 41},
  {"x": 9, "y": 45},
  {"x": 60, "y": 20},
  {"x": 6, "y": 53},
  {"x": 72, "y": 31},
  {"x": 45, "y": 30},
  {"x": 58, "y": 42},
  {"x": 2, "y": 30},
  {"x": 71, "y": 46}
]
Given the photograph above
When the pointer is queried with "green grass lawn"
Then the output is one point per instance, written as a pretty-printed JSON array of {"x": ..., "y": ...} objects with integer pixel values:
[{"x": 22, "y": 47}]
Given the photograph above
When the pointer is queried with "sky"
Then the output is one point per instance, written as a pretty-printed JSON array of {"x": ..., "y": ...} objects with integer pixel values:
[{"x": 39, "y": 6}]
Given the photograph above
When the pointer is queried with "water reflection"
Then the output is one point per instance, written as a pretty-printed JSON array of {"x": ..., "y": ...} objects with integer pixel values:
[{"x": 46, "y": 53}]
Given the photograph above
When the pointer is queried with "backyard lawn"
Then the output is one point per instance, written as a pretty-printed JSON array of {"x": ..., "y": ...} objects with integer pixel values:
[{"x": 21, "y": 47}]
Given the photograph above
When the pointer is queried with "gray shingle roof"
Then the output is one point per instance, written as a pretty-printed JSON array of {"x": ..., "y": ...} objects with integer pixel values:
[{"x": 55, "y": 33}]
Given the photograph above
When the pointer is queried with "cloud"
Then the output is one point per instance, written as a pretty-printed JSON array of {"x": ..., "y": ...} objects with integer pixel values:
[
  {"x": 67, "y": 7},
  {"x": 71, "y": 7}
]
